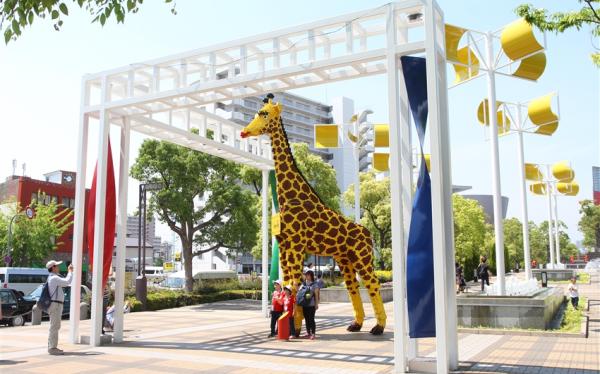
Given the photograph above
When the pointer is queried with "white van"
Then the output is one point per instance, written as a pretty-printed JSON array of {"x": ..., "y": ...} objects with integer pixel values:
[
  {"x": 154, "y": 274},
  {"x": 22, "y": 279}
]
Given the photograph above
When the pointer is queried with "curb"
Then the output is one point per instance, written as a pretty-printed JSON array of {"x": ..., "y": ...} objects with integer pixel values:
[{"x": 486, "y": 331}]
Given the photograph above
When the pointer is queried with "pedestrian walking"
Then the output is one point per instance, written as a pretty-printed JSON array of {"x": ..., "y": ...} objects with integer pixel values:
[
  {"x": 276, "y": 307},
  {"x": 483, "y": 272},
  {"x": 573, "y": 292},
  {"x": 55, "y": 287},
  {"x": 311, "y": 304},
  {"x": 460, "y": 278}
]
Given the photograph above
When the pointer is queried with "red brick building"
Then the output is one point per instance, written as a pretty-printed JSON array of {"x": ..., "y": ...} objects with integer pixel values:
[{"x": 59, "y": 187}]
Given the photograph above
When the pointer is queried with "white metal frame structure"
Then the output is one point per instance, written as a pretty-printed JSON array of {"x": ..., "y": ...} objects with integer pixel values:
[{"x": 163, "y": 98}]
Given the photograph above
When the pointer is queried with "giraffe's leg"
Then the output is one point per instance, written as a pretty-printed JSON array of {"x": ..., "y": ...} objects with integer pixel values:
[
  {"x": 294, "y": 261},
  {"x": 354, "y": 295},
  {"x": 367, "y": 274}
]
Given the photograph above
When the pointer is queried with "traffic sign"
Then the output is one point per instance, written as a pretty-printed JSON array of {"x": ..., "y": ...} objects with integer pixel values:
[{"x": 29, "y": 212}]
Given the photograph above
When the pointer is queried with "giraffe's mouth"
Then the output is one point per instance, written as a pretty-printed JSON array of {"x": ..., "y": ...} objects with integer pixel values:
[{"x": 244, "y": 134}]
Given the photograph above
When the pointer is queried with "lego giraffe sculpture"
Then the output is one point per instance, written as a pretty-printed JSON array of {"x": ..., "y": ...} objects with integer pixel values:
[{"x": 307, "y": 225}]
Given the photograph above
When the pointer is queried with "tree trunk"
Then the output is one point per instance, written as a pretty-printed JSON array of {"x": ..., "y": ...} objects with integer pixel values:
[{"x": 186, "y": 249}]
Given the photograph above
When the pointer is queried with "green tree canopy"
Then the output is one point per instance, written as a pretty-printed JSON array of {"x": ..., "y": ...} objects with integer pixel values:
[
  {"x": 513, "y": 241},
  {"x": 589, "y": 223},
  {"x": 202, "y": 202},
  {"x": 559, "y": 22},
  {"x": 470, "y": 232},
  {"x": 34, "y": 240},
  {"x": 376, "y": 207},
  {"x": 16, "y": 15}
]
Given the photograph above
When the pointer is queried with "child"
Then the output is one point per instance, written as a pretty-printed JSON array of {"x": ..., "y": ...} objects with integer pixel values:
[
  {"x": 289, "y": 303},
  {"x": 276, "y": 307},
  {"x": 573, "y": 293}
]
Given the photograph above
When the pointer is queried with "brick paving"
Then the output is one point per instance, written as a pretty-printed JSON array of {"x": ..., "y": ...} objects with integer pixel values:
[{"x": 230, "y": 337}]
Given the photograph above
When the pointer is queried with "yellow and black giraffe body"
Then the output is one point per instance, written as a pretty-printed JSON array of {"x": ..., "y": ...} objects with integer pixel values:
[{"x": 309, "y": 226}]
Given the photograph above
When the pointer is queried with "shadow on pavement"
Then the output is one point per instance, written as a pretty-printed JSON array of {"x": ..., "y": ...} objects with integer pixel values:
[
  {"x": 484, "y": 367},
  {"x": 251, "y": 343},
  {"x": 82, "y": 353},
  {"x": 241, "y": 304},
  {"x": 10, "y": 362}
]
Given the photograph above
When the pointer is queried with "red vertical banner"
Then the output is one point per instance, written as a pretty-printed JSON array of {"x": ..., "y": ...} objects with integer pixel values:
[{"x": 110, "y": 218}]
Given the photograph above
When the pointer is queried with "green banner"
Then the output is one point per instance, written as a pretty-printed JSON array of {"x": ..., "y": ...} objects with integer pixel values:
[{"x": 274, "y": 274}]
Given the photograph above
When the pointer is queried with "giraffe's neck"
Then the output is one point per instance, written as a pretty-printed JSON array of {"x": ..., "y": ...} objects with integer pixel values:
[{"x": 292, "y": 188}]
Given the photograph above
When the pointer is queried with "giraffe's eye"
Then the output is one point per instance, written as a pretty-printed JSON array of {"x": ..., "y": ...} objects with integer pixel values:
[{"x": 265, "y": 116}]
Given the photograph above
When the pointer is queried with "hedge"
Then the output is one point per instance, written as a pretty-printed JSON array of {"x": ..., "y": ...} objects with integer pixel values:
[
  {"x": 384, "y": 276},
  {"x": 174, "y": 299}
]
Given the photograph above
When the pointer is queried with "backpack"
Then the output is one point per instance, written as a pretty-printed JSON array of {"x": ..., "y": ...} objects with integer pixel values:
[
  {"x": 45, "y": 299},
  {"x": 304, "y": 296},
  {"x": 482, "y": 271}
]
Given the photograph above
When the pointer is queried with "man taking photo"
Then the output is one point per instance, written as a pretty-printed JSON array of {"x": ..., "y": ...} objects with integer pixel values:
[{"x": 55, "y": 287}]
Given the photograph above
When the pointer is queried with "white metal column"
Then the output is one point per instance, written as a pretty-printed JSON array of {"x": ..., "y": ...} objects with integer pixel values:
[
  {"x": 521, "y": 160},
  {"x": 556, "y": 230},
  {"x": 265, "y": 242},
  {"x": 356, "y": 154},
  {"x": 122, "y": 230},
  {"x": 441, "y": 192},
  {"x": 496, "y": 186},
  {"x": 412, "y": 348},
  {"x": 396, "y": 187},
  {"x": 99, "y": 222},
  {"x": 78, "y": 245},
  {"x": 550, "y": 236}
]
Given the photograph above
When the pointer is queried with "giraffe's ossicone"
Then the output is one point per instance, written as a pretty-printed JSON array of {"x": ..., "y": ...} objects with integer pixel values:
[{"x": 309, "y": 226}]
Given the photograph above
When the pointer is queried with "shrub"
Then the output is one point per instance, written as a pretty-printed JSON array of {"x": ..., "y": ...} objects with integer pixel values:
[
  {"x": 384, "y": 276},
  {"x": 166, "y": 299}
]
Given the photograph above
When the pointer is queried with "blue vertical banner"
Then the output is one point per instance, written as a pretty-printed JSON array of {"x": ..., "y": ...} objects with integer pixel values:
[{"x": 419, "y": 258}]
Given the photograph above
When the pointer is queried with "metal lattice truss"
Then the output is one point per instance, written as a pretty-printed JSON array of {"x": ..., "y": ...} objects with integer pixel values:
[{"x": 165, "y": 97}]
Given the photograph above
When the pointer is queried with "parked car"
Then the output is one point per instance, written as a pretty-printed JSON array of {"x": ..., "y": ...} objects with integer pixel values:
[
  {"x": 34, "y": 296},
  {"x": 15, "y": 308},
  {"x": 22, "y": 279}
]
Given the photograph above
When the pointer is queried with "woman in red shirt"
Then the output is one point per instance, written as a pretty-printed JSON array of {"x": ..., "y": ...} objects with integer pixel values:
[{"x": 276, "y": 307}]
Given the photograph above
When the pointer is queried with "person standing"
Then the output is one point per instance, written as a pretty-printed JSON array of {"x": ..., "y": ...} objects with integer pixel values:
[
  {"x": 55, "y": 287},
  {"x": 459, "y": 277},
  {"x": 573, "y": 293},
  {"x": 289, "y": 305},
  {"x": 276, "y": 307},
  {"x": 311, "y": 307},
  {"x": 483, "y": 272}
]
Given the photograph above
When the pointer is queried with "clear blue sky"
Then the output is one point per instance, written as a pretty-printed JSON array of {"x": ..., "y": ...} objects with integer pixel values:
[{"x": 40, "y": 78}]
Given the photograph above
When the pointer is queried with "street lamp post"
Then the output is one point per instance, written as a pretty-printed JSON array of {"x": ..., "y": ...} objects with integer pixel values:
[{"x": 141, "y": 283}]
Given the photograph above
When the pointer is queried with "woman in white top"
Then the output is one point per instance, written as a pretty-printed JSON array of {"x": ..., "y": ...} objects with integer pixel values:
[{"x": 573, "y": 294}]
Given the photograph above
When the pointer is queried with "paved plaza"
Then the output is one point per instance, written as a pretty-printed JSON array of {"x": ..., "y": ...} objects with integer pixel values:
[{"x": 230, "y": 337}]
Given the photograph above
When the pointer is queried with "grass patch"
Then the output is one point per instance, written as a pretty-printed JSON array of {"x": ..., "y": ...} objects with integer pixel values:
[
  {"x": 571, "y": 321},
  {"x": 581, "y": 278}
]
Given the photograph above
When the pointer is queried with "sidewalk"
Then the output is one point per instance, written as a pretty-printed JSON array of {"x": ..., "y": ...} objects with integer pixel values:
[{"x": 230, "y": 337}]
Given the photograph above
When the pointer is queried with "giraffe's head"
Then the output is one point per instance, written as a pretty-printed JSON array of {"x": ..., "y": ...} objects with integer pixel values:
[{"x": 265, "y": 121}]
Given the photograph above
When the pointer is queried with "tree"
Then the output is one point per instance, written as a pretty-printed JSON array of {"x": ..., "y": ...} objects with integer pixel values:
[
  {"x": 202, "y": 202},
  {"x": 470, "y": 232},
  {"x": 376, "y": 205},
  {"x": 513, "y": 241},
  {"x": 34, "y": 240},
  {"x": 561, "y": 21},
  {"x": 18, "y": 14},
  {"x": 589, "y": 224},
  {"x": 539, "y": 244}
]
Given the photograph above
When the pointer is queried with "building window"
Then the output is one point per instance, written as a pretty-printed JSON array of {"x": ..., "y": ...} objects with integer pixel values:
[
  {"x": 34, "y": 198},
  {"x": 54, "y": 199},
  {"x": 248, "y": 117},
  {"x": 66, "y": 202},
  {"x": 250, "y": 104},
  {"x": 47, "y": 199},
  {"x": 72, "y": 203}
]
